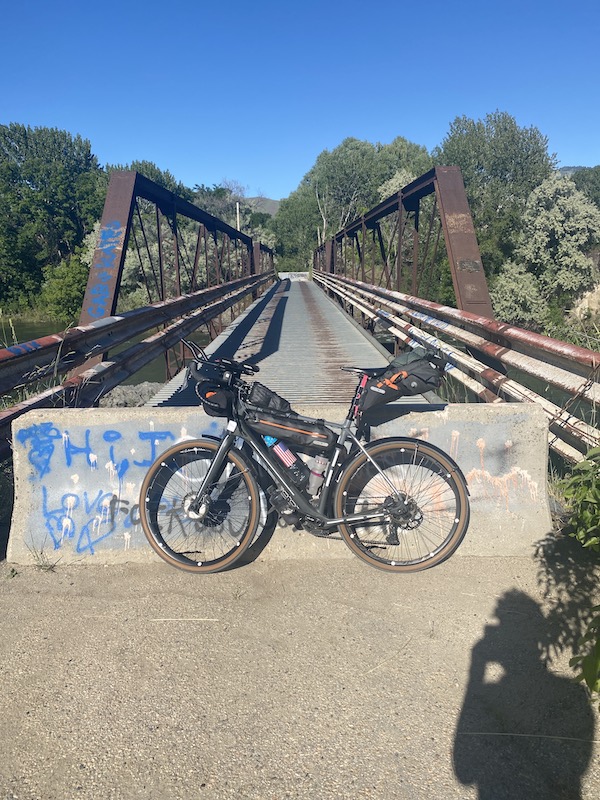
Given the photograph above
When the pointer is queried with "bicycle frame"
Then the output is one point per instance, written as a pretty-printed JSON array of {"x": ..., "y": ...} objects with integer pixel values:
[{"x": 236, "y": 429}]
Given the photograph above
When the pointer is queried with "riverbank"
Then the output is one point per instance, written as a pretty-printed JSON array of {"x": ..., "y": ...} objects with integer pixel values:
[{"x": 130, "y": 396}]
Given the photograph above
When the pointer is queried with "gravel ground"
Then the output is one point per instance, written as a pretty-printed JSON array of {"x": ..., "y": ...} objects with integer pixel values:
[{"x": 290, "y": 679}]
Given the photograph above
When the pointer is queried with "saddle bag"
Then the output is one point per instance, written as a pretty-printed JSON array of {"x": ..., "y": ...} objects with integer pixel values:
[{"x": 411, "y": 373}]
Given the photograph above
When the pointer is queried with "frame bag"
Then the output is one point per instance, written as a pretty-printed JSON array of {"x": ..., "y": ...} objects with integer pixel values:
[
  {"x": 262, "y": 397},
  {"x": 268, "y": 414},
  {"x": 302, "y": 435}
]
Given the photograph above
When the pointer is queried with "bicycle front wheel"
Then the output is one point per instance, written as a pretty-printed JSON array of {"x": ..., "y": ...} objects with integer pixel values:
[
  {"x": 213, "y": 538},
  {"x": 423, "y": 498}
]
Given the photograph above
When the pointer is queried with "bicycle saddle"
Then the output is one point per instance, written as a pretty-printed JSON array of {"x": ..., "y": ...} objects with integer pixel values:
[{"x": 371, "y": 372}]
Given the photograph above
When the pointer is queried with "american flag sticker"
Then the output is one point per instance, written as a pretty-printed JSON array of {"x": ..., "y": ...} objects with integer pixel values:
[{"x": 285, "y": 454}]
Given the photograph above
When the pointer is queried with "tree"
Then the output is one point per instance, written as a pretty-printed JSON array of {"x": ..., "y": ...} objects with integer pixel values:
[
  {"x": 342, "y": 184},
  {"x": 560, "y": 227},
  {"x": 501, "y": 164},
  {"x": 587, "y": 180},
  {"x": 517, "y": 297},
  {"x": 50, "y": 197},
  {"x": 162, "y": 177},
  {"x": 64, "y": 288},
  {"x": 403, "y": 156},
  {"x": 295, "y": 225}
]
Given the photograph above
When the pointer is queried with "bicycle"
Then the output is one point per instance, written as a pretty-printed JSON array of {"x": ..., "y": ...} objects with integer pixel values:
[{"x": 400, "y": 504}]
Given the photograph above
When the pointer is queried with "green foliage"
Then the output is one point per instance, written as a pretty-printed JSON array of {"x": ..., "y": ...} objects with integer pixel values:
[
  {"x": 501, "y": 164},
  {"x": 63, "y": 289},
  {"x": 582, "y": 492},
  {"x": 587, "y": 661},
  {"x": 342, "y": 184},
  {"x": 517, "y": 298},
  {"x": 259, "y": 219},
  {"x": 560, "y": 227},
  {"x": 587, "y": 181},
  {"x": 552, "y": 267},
  {"x": 49, "y": 199},
  {"x": 162, "y": 177}
]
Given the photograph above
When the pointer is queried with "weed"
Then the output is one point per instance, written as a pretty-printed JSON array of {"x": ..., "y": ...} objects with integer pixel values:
[{"x": 42, "y": 560}]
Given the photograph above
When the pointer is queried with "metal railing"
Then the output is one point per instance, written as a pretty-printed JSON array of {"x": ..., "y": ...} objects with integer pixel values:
[
  {"x": 492, "y": 360},
  {"x": 51, "y": 356}
]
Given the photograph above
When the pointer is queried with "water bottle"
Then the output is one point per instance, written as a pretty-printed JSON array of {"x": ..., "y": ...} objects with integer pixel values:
[
  {"x": 296, "y": 468},
  {"x": 317, "y": 467}
]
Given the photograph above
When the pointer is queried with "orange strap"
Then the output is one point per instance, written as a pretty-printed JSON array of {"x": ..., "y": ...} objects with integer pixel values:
[
  {"x": 314, "y": 434},
  {"x": 392, "y": 381}
]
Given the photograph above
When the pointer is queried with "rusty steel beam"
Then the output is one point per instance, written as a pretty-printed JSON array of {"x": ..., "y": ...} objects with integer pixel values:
[
  {"x": 124, "y": 188},
  {"x": 561, "y": 377},
  {"x": 569, "y": 356},
  {"x": 22, "y": 364},
  {"x": 468, "y": 277},
  {"x": 100, "y": 299}
]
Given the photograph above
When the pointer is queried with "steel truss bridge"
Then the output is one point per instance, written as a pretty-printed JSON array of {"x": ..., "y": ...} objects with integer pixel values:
[{"x": 199, "y": 272}]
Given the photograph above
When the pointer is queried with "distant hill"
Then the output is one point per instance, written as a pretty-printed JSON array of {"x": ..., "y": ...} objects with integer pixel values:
[
  {"x": 264, "y": 204},
  {"x": 568, "y": 171}
]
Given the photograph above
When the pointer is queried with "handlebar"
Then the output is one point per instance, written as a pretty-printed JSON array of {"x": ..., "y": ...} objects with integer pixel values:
[{"x": 224, "y": 365}]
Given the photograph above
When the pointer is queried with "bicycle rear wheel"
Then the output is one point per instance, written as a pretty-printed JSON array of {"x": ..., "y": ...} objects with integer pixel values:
[
  {"x": 210, "y": 540},
  {"x": 424, "y": 498}
]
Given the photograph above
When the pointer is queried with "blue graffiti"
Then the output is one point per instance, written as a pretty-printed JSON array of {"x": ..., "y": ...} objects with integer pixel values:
[
  {"x": 26, "y": 347},
  {"x": 72, "y": 450},
  {"x": 42, "y": 438},
  {"x": 110, "y": 243},
  {"x": 154, "y": 437},
  {"x": 122, "y": 466},
  {"x": 86, "y": 520},
  {"x": 59, "y": 521}
]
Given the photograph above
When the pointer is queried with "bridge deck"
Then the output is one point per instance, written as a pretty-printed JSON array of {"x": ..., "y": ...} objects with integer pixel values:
[{"x": 300, "y": 339}]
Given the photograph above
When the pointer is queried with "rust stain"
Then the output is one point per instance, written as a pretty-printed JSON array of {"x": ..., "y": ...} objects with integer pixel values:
[
  {"x": 516, "y": 482},
  {"x": 459, "y": 223}
]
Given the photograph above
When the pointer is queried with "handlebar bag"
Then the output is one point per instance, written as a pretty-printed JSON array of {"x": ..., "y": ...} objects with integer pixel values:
[
  {"x": 411, "y": 373},
  {"x": 216, "y": 401},
  {"x": 304, "y": 436}
]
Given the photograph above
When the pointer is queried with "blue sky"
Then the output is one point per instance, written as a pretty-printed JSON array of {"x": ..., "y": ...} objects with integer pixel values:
[{"x": 253, "y": 92}]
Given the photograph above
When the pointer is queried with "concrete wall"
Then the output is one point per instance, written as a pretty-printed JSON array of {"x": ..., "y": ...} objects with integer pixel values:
[{"x": 78, "y": 475}]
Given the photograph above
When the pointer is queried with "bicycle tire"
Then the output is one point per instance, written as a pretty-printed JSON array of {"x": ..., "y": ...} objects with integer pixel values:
[
  {"x": 223, "y": 535},
  {"x": 422, "y": 530}
]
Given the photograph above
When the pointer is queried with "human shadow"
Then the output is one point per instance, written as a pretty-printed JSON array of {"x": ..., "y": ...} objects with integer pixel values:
[
  {"x": 523, "y": 732},
  {"x": 6, "y": 504}
]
